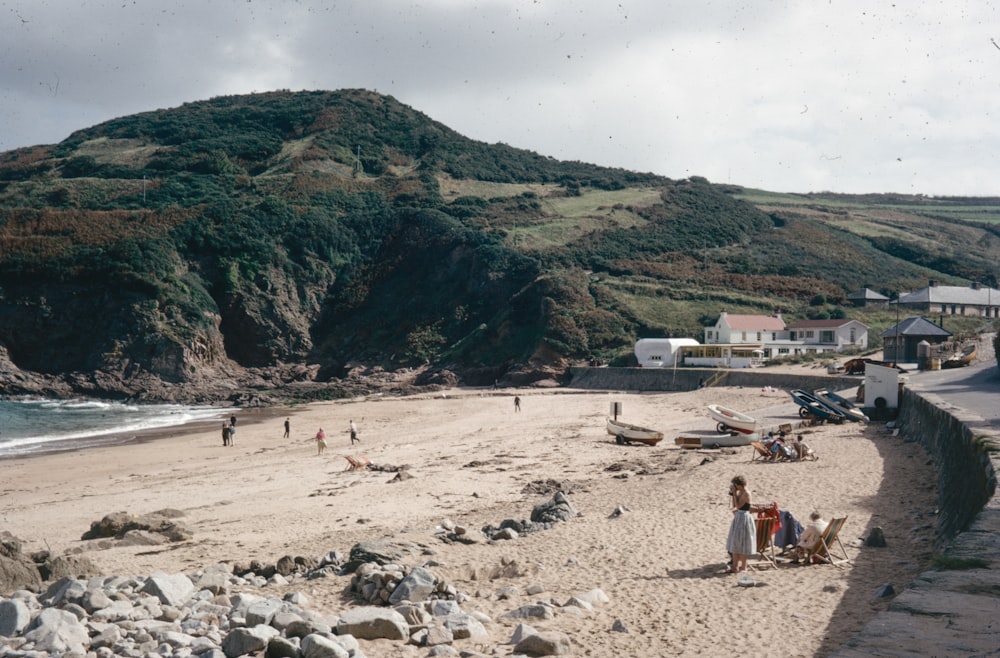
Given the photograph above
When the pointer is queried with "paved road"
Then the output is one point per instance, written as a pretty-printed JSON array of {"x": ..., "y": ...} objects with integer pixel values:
[{"x": 973, "y": 388}]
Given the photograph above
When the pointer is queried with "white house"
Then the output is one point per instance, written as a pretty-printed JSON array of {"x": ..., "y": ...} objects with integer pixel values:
[
  {"x": 826, "y": 335},
  {"x": 660, "y": 352},
  {"x": 744, "y": 329},
  {"x": 742, "y": 341}
]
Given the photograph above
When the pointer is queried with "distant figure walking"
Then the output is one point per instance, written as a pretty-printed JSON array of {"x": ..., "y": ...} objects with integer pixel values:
[
  {"x": 288, "y": 427},
  {"x": 354, "y": 433},
  {"x": 232, "y": 431},
  {"x": 517, "y": 403},
  {"x": 320, "y": 441},
  {"x": 225, "y": 434}
]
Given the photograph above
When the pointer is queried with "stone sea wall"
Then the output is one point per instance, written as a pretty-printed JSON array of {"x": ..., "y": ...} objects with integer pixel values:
[
  {"x": 952, "y": 610},
  {"x": 687, "y": 379}
]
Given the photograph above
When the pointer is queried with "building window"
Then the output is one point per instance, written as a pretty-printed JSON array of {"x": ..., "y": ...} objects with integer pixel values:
[
  {"x": 782, "y": 350},
  {"x": 759, "y": 334},
  {"x": 744, "y": 336},
  {"x": 826, "y": 336},
  {"x": 854, "y": 336},
  {"x": 810, "y": 334}
]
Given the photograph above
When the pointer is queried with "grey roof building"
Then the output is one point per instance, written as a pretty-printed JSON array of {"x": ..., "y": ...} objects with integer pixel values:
[
  {"x": 974, "y": 300},
  {"x": 867, "y": 297},
  {"x": 899, "y": 343}
]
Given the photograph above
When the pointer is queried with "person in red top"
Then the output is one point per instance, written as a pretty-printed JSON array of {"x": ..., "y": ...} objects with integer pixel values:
[{"x": 320, "y": 441}]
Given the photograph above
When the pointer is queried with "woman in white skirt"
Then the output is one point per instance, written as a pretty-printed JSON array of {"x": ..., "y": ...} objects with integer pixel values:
[{"x": 742, "y": 541}]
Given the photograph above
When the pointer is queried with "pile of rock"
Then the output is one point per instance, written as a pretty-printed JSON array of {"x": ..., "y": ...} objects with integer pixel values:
[
  {"x": 151, "y": 529},
  {"x": 392, "y": 583},
  {"x": 543, "y": 516}
]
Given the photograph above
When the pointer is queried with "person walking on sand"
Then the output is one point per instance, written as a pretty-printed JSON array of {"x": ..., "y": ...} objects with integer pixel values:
[
  {"x": 742, "y": 539},
  {"x": 225, "y": 434},
  {"x": 320, "y": 439},
  {"x": 232, "y": 431},
  {"x": 288, "y": 428},
  {"x": 517, "y": 403},
  {"x": 354, "y": 433}
]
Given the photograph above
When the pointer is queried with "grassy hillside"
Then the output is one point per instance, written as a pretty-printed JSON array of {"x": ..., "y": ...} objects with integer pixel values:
[{"x": 320, "y": 229}]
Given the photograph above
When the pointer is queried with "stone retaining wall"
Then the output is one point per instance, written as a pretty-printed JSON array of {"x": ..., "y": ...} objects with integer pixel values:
[
  {"x": 687, "y": 379},
  {"x": 948, "y": 612}
]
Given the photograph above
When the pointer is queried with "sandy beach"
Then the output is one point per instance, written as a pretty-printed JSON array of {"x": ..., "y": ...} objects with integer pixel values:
[{"x": 477, "y": 462}]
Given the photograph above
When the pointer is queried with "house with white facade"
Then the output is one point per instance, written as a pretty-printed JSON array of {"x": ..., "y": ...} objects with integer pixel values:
[
  {"x": 742, "y": 341},
  {"x": 660, "y": 352},
  {"x": 825, "y": 335}
]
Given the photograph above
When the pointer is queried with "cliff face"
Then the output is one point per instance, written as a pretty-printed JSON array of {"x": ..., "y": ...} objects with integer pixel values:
[{"x": 229, "y": 248}]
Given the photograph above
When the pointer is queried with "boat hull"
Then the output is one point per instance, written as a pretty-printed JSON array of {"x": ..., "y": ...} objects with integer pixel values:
[
  {"x": 810, "y": 405},
  {"x": 731, "y": 421},
  {"x": 625, "y": 433},
  {"x": 709, "y": 439}
]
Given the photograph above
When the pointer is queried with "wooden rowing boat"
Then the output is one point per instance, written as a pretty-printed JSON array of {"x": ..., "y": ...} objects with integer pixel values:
[
  {"x": 730, "y": 420},
  {"x": 810, "y": 405},
  {"x": 848, "y": 408},
  {"x": 711, "y": 439},
  {"x": 965, "y": 358},
  {"x": 625, "y": 433}
]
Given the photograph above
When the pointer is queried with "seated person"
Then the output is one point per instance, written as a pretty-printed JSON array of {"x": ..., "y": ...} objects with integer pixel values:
[
  {"x": 811, "y": 535},
  {"x": 779, "y": 450},
  {"x": 802, "y": 449}
]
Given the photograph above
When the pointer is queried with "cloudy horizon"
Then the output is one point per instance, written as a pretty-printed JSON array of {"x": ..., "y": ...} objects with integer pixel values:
[{"x": 852, "y": 97}]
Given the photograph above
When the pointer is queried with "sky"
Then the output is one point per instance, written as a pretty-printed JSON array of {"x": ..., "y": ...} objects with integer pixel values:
[{"x": 791, "y": 96}]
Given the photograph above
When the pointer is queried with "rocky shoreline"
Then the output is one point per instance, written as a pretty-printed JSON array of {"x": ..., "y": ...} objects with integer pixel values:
[{"x": 227, "y": 610}]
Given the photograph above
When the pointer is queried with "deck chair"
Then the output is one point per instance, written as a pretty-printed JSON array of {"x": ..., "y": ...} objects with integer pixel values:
[
  {"x": 765, "y": 540},
  {"x": 357, "y": 463},
  {"x": 759, "y": 451},
  {"x": 824, "y": 549}
]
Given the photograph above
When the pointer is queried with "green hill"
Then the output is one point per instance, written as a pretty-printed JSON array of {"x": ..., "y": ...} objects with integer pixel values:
[{"x": 252, "y": 241}]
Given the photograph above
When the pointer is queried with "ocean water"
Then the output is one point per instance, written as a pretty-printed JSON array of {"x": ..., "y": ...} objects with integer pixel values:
[{"x": 36, "y": 425}]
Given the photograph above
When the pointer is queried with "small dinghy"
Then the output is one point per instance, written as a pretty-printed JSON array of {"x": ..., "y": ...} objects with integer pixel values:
[
  {"x": 810, "y": 405},
  {"x": 710, "y": 439},
  {"x": 731, "y": 421},
  {"x": 625, "y": 433}
]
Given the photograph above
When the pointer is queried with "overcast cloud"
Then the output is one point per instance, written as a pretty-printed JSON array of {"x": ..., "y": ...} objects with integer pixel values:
[{"x": 859, "y": 96}]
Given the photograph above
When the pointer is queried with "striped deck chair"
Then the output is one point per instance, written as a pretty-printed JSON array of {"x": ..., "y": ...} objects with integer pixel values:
[
  {"x": 823, "y": 553},
  {"x": 765, "y": 539},
  {"x": 357, "y": 463},
  {"x": 759, "y": 451}
]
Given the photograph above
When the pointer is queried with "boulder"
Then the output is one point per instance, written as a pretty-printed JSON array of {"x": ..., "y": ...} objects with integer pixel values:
[
  {"x": 417, "y": 586},
  {"x": 545, "y": 643},
  {"x": 282, "y": 647},
  {"x": 530, "y": 611},
  {"x": 371, "y": 623},
  {"x": 247, "y": 640},
  {"x": 379, "y": 551},
  {"x": 317, "y": 646},
  {"x": 557, "y": 509},
  {"x": 69, "y": 566},
  {"x": 59, "y": 632},
  {"x": 18, "y": 573},
  {"x": 172, "y": 589},
  {"x": 14, "y": 617}
]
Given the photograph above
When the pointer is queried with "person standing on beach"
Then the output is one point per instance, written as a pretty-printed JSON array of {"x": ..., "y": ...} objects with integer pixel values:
[
  {"x": 354, "y": 433},
  {"x": 225, "y": 434},
  {"x": 288, "y": 428},
  {"x": 320, "y": 442},
  {"x": 517, "y": 403},
  {"x": 742, "y": 540}
]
